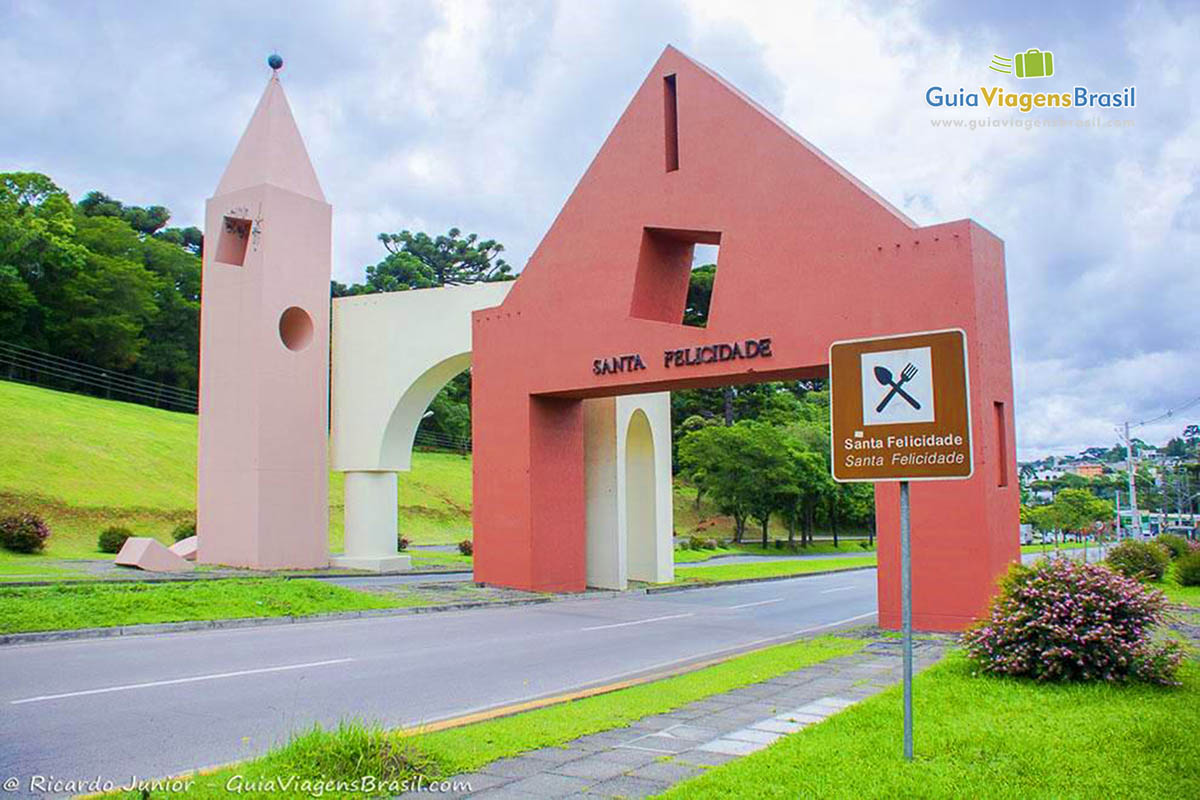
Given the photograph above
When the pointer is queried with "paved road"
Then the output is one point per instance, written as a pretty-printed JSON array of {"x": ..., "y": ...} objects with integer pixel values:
[{"x": 160, "y": 705}]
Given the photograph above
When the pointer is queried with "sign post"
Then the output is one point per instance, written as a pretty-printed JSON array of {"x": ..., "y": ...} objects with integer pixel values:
[{"x": 900, "y": 411}]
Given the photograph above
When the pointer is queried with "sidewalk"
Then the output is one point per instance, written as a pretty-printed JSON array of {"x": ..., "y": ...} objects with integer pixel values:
[{"x": 658, "y": 751}]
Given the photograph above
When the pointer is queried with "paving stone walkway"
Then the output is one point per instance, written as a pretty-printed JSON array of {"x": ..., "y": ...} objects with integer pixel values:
[{"x": 658, "y": 751}]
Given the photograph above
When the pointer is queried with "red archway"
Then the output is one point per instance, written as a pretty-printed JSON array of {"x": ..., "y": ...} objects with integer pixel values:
[{"x": 808, "y": 255}]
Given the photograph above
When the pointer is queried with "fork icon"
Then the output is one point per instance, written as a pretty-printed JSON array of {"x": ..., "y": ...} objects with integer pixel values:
[{"x": 884, "y": 376}]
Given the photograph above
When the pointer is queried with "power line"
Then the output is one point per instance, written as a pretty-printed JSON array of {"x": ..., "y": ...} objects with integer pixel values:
[{"x": 1170, "y": 413}]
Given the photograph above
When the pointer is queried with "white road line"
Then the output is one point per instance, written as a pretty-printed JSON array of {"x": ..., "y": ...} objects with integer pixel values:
[
  {"x": 838, "y": 589},
  {"x": 759, "y": 603},
  {"x": 635, "y": 622},
  {"x": 177, "y": 681}
]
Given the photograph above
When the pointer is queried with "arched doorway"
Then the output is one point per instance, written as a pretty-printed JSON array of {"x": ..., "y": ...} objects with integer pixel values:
[{"x": 641, "y": 513}]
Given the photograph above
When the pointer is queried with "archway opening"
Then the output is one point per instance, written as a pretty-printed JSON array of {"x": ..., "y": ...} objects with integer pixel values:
[{"x": 641, "y": 510}]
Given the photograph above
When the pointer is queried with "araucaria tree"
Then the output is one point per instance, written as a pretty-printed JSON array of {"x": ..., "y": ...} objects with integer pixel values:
[{"x": 418, "y": 261}]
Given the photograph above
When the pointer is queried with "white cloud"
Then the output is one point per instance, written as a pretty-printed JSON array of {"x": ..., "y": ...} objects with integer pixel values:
[{"x": 483, "y": 115}]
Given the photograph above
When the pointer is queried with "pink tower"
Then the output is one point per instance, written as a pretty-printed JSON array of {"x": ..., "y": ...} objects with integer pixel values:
[{"x": 264, "y": 352}]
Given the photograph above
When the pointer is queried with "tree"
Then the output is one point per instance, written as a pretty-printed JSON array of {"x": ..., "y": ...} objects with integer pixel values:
[
  {"x": 745, "y": 468},
  {"x": 143, "y": 219},
  {"x": 416, "y": 260},
  {"x": 98, "y": 281},
  {"x": 699, "y": 295},
  {"x": 1078, "y": 510}
]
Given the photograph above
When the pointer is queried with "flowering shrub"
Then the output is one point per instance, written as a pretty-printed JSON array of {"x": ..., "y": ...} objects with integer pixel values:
[
  {"x": 1065, "y": 620},
  {"x": 401, "y": 543},
  {"x": 1146, "y": 561},
  {"x": 24, "y": 533},
  {"x": 466, "y": 547},
  {"x": 1187, "y": 569}
]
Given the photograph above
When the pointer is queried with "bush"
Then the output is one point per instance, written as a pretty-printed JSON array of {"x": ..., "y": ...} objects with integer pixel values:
[
  {"x": 1187, "y": 569},
  {"x": 466, "y": 547},
  {"x": 24, "y": 533},
  {"x": 113, "y": 539},
  {"x": 1177, "y": 546},
  {"x": 1063, "y": 620},
  {"x": 1146, "y": 561},
  {"x": 402, "y": 544},
  {"x": 711, "y": 544},
  {"x": 183, "y": 531}
]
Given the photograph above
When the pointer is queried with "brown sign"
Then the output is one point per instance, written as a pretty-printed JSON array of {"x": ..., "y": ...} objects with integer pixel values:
[{"x": 900, "y": 408}]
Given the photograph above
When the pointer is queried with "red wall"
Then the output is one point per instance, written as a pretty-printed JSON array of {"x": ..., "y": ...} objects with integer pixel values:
[{"x": 808, "y": 256}]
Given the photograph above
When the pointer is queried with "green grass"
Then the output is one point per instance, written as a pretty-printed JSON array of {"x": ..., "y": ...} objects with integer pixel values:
[
  {"x": 68, "y": 607},
  {"x": 844, "y": 547},
  {"x": 767, "y": 569},
  {"x": 427, "y": 558},
  {"x": 1184, "y": 595},
  {"x": 84, "y": 463},
  {"x": 984, "y": 737},
  {"x": 354, "y": 750},
  {"x": 1049, "y": 548}
]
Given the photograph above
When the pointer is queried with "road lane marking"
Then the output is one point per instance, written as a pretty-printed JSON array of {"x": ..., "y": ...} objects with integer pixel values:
[
  {"x": 635, "y": 622},
  {"x": 838, "y": 589},
  {"x": 759, "y": 603},
  {"x": 177, "y": 681},
  {"x": 622, "y": 680}
]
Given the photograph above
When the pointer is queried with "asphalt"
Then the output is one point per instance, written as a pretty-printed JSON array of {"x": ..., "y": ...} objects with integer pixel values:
[{"x": 160, "y": 705}]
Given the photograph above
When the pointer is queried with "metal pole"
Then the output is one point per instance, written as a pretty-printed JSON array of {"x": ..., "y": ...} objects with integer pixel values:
[
  {"x": 1117, "y": 506},
  {"x": 906, "y": 617},
  {"x": 1129, "y": 468}
]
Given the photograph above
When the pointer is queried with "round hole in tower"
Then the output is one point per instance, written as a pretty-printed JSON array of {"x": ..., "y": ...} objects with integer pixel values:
[{"x": 295, "y": 328}]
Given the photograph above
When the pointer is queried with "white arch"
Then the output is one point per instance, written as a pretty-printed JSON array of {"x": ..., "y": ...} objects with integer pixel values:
[
  {"x": 392, "y": 353},
  {"x": 401, "y": 430},
  {"x": 640, "y": 506}
]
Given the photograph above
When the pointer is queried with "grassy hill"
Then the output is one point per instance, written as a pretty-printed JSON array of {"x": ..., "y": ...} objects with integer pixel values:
[{"x": 84, "y": 463}]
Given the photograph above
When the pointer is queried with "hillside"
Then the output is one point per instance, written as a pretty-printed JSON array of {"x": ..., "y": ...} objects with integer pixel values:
[{"x": 85, "y": 463}]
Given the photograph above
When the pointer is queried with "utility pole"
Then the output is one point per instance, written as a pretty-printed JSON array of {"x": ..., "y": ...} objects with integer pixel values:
[
  {"x": 1117, "y": 506},
  {"x": 1130, "y": 468}
]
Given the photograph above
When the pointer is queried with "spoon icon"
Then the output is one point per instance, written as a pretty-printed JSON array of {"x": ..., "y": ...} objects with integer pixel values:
[{"x": 884, "y": 376}]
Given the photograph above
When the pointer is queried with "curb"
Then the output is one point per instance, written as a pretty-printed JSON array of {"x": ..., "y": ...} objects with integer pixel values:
[
  {"x": 248, "y": 622},
  {"x": 702, "y": 585},
  {"x": 193, "y": 577}
]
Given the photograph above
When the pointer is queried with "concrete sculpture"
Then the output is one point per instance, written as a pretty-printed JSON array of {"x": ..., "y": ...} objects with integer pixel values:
[{"x": 151, "y": 555}]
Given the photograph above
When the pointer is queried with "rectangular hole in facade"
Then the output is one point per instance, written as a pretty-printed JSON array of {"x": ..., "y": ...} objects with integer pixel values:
[
  {"x": 231, "y": 245},
  {"x": 1001, "y": 445},
  {"x": 671, "y": 115},
  {"x": 700, "y": 285},
  {"x": 664, "y": 272}
]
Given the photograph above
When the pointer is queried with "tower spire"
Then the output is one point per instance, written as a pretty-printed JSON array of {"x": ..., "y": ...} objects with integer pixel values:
[{"x": 271, "y": 151}]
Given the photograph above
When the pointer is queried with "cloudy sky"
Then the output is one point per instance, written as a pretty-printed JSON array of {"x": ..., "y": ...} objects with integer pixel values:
[{"x": 483, "y": 115}]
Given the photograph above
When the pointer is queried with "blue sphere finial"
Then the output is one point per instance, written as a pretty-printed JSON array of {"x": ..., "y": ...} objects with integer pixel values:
[{"x": 275, "y": 61}]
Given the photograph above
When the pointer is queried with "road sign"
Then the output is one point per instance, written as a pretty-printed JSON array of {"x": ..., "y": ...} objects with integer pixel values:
[
  {"x": 901, "y": 411},
  {"x": 900, "y": 408}
]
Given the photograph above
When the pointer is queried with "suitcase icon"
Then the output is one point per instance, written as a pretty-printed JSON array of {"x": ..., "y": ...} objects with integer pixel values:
[{"x": 1034, "y": 63}]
